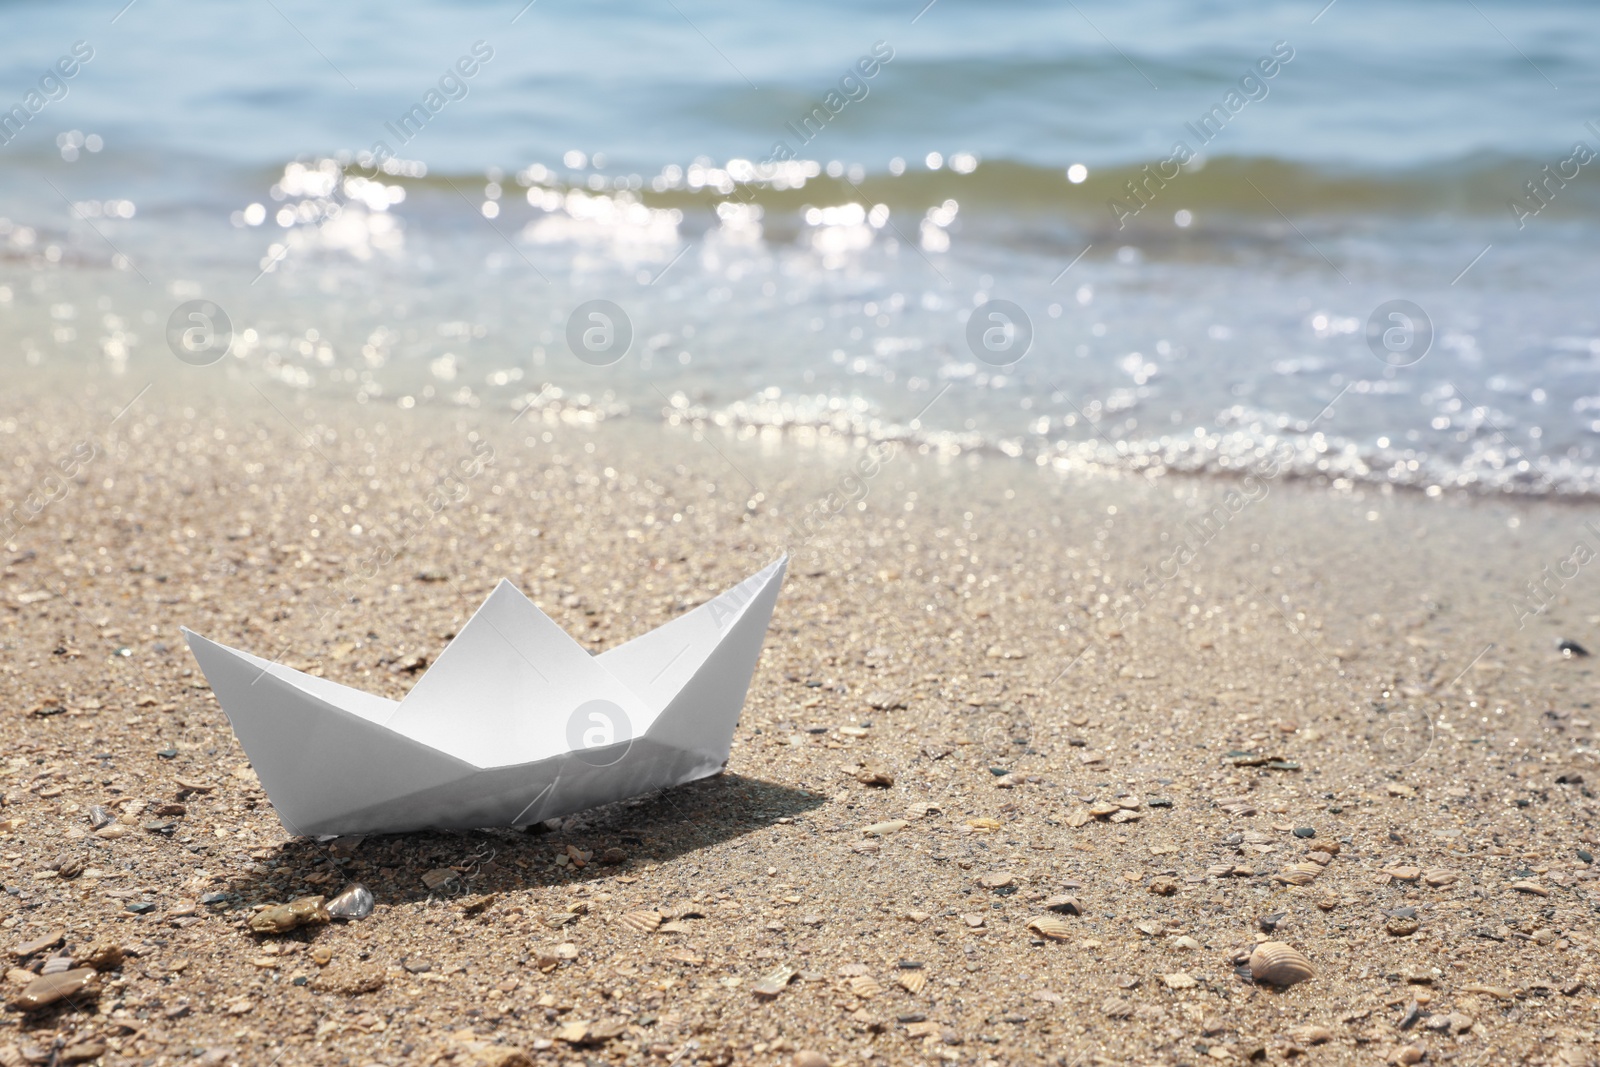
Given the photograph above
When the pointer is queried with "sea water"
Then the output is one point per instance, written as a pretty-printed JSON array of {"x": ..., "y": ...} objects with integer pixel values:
[{"x": 1352, "y": 240}]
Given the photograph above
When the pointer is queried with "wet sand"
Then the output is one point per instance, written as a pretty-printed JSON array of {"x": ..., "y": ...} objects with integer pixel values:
[{"x": 1315, "y": 667}]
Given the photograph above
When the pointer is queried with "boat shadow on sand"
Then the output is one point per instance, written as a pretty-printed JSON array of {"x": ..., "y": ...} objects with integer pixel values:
[{"x": 625, "y": 838}]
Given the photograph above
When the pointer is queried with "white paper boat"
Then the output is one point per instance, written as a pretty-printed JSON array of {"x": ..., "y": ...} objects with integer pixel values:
[{"x": 515, "y": 721}]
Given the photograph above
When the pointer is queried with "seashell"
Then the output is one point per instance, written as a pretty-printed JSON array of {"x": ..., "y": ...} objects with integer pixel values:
[
  {"x": 1293, "y": 875},
  {"x": 1280, "y": 964},
  {"x": 1403, "y": 874},
  {"x": 865, "y": 986},
  {"x": 1078, "y": 817},
  {"x": 912, "y": 981},
  {"x": 644, "y": 922},
  {"x": 984, "y": 825},
  {"x": 1117, "y": 1008},
  {"x": 1179, "y": 980},
  {"x": 674, "y": 928},
  {"x": 1124, "y": 815},
  {"x": 997, "y": 880},
  {"x": 852, "y": 970},
  {"x": 1065, "y": 904},
  {"x": 56, "y": 965},
  {"x": 1101, "y": 808},
  {"x": 867, "y": 848},
  {"x": 884, "y": 829},
  {"x": 1057, "y": 929},
  {"x": 354, "y": 903},
  {"x": 1321, "y": 859},
  {"x": 1438, "y": 877},
  {"x": 1329, "y": 847},
  {"x": 773, "y": 983}
]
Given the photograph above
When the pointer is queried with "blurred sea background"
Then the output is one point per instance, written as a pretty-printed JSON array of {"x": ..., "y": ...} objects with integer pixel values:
[{"x": 1211, "y": 315}]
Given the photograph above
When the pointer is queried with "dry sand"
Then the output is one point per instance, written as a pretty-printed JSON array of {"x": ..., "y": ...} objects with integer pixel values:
[{"x": 1344, "y": 662}]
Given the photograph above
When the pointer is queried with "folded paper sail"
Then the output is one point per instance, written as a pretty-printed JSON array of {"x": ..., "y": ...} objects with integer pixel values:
[{"x": 515, "y": 721}]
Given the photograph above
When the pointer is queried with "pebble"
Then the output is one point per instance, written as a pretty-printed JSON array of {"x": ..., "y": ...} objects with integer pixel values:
[
  {"x": 1305, "y": 831},
  {"x": 349, "y": 982},
  {"x": 50, "y": 940},
  {"x": 1311, "y": 1034},
  {"x": 354, "y": 903},
  {"x": 45, "y": 991},
  {"x": 439, "y": 876},
  {"x": 875, "y": 774},
  {"x": 1401, "y": 925},
  {"x": 810, "y": 1058},
  {"x": 281, "y": 918}
]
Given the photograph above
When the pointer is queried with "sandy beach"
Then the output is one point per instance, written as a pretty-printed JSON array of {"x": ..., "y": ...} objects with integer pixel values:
[{"x": 1329, "y": 726}]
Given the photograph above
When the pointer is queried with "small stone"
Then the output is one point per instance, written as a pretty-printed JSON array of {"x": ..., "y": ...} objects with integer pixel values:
[
  {"x": 82, "y": 1052},
  {"x": 1410, "y": 1054},
  {"x": 321, "y": 955},
  {"x": 438, "y": 877},
  {"x": 103, "y": 956},
  {"x": 810, "y": 1058},
  {"x": 355, "y": 902},
  {"x": 349, "y": 982},
  {"x": 1305, "y": 831},
  {"x": 1311, "y": 1034},
  {"x": 479, "y": 904},
  {"x": 875, "y": 774},
  {"x": 1163, "y": 887},
  {"x": 39, "y": 944},
  {"x": 1401, "y": 925},
  {"x": 281, "y": 918},
  {"x": 47, "y": 990},
  {"x": 613, "y": 857},
  {"x": 99, "y": 817}
]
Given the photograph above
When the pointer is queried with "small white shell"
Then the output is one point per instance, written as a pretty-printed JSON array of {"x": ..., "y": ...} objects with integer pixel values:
[
  {"x": 1279, "y": 964},
  {"x": 1051, "y": 926},
  {"x": 644, "y": 922}
]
